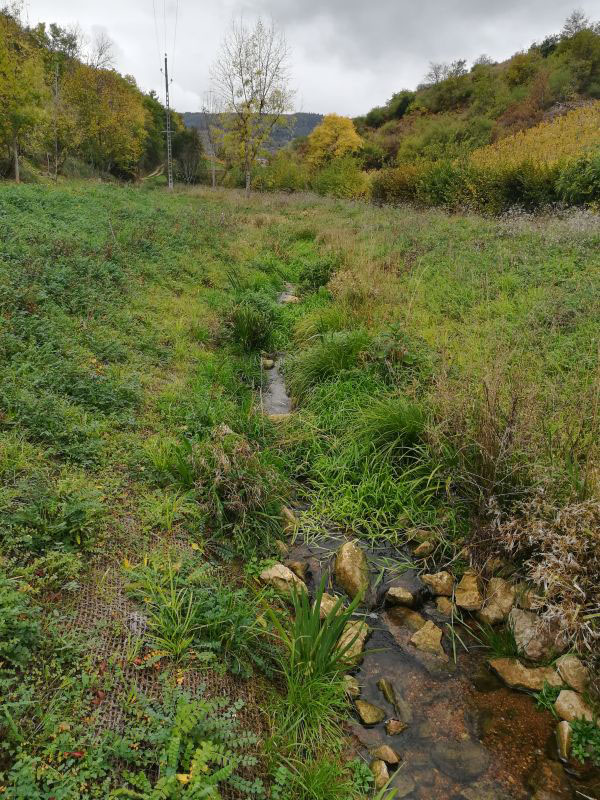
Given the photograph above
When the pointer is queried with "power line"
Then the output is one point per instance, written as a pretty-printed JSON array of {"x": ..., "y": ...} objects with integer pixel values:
[
  {"x": 175, "y": 34},
  {"x": 156, "y": 35}
]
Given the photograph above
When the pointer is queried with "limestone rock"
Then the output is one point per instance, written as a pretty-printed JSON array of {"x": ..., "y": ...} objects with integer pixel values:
[
  {"x": 499, "y": 599},
  {"x": 564, "y": 736},
  {"x": 282, "y": 579},
  {"x": 352, "y": 569},
  {"x": 444, "y": 606},
  {"x": 468, "y": 592},
  {"x": 518, "y": 676},
  {"x": 289, "y": 521},
  {"x": 277, "y": 418},
  {"x": 463, "y": 761},
  {"x": 405, "y": 616},
  {"x": 328, "y": 603},
  {"x": 355, "y": 634},
  {"x": 573, "y": 672},
  {"x": 429, "y": 640},
  {"x": 399, "y": 596},
  {"x": 380, "y": 773},
  {"x": 267, "y": 363},
  {"x": 352, "y": 687},
  {"x": 290, "y": 298},
  {"x": 402, "y": 784},
  {"x": 424, "y": 549},
  {"x": 395, "y": 726},
  {"x": 368, "y": 713},
  {"x": 298, "y": 568},
  {"x": 440, "y": 583},
  {"x": 536, "y": 640},
  {"x": 386, "y": 753},
  {"x": 571, "y": 706}
]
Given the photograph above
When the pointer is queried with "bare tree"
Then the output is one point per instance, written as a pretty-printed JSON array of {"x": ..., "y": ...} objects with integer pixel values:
[
  {"x": 102, "y": 55},
  {"x": 437, "y": 72},
  {"x": 251, "y": 77},
  {"x": 212, "y": 108}
]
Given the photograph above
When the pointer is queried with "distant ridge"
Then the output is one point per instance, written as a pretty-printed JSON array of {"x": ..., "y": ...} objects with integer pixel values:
[{"x": 300, "y": 124}]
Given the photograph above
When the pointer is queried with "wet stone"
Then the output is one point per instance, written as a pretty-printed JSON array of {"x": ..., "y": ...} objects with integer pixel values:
[
  {"x": 440, "y": 583},
  {"x": 395, "y": 726},
  {"x": 499, "y": 600},
  {"x": 424, "y": 549},
  {"x": 289, "y": 521},
  {"x": 549, "y": 782},
  {"x": 354, "y": 635},
  {"x": 380, "y": 773},
  {"x": 571, "y": 706},
  {"x": 444, "y": 606},
  {"x": 563, "y": 740},
  {"x": 352, "y": 569},
  {"x": 402, "y": 783},
  {"x": 369, "y": 714},
  {"x": 407, "y": 618},
  {"x": 468, "y": 592},
  {"x": 463, "y": 761},
  {"x": 386, "y": 753},
  {"x": 395, "y": 699},
  {"x": 518, "y": 676},
  {"x": 429, "y": 640},
  {"x": 282, "y": 579},
  {"x": 399, "y": 596}
]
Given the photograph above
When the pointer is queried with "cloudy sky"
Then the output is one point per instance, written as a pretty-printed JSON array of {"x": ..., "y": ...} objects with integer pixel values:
[{"x": 347, "y": 55}]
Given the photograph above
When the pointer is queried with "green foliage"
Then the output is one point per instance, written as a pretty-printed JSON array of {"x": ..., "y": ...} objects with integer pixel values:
[
  {"x": 320, "y": 322},
  {"x": 190, "y": 607},
  {"x": 251, "y": 322},
  {"x": 321, "y": 778},
  {"x": 578, "y": 183},
  {"x": 586, "y": 741},
  {"x": 500, "y": 641},
  {"x": 327, "y": 358},
  {"x": 19, "y": 623},
  {"x": 312, "y": 665},
  {"x": 313, "y": 275},
  {"x": 389, "y": 429},
  {"x": 341, "y": 177},
  {"x": 546, "y": 698},
  {"x": 197, "y": 749}
]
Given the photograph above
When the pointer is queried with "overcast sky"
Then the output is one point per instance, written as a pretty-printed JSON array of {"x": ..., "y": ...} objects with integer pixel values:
[{"x": 347, "y": 55}]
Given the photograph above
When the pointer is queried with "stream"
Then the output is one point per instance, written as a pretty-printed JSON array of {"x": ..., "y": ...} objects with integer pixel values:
[{"x": 465, "y": 735}]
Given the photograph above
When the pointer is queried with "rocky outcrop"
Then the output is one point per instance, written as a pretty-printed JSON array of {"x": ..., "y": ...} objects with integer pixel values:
[
  {"x": 282, "y": 579},
  {"x": 352, "y": 569},
  {"x": 573, "y": 672},
  {"x": 369, "y": 714},
  {"x": 468, "y": 592},
  {"x": 429, "y": 640},
  {"x": 440, "y": 583},
  {"x": 518, "y": 676},
  {"x": 463, "y": 761},
  {"x": 571, "y": 706},
  {"x": 535, "y": 639},
  {"x": 499, "y": 600}
]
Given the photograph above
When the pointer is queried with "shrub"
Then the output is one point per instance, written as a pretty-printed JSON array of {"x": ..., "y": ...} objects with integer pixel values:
[
  {"x": 397, "y": 185},
  {"x": 251, "y": 321},
  {"x": 19, "y": 623},
  {"x": 313, "y": 275},
  {"x": 327, "y": 358},
  {"x": 342, "y": 178},
  {"x": 441, "y": 184},
  {"x": 579, "y": 182}
]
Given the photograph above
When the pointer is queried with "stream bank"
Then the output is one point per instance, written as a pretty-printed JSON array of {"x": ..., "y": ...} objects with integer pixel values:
[{"x": 442, "y": 726}]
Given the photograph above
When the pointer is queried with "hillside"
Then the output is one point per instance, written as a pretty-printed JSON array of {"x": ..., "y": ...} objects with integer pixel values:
[
  {"x": 296, "y": 126},
  {"x": 460, "y": 108}
]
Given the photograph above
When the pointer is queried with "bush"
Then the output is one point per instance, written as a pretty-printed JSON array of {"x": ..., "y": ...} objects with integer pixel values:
[
  {"x": 341, "y": 177},
  {"x": 397, "y": 185},
  {"x": 251, "y": 322},
  {"x": 334, "y": 353},
  {"x": 313, "y": 275},
  {"x": 19, "y": 623},
  {"x": 282, "y": 174},
  {"x": 578, "y": 183}
]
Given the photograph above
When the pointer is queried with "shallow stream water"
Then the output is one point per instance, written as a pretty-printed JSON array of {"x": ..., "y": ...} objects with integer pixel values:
[{"x": 467, "y": 736}]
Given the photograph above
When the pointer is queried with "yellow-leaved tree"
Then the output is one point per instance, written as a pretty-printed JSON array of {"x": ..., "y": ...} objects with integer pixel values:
[{"x": 335, "y": 137}]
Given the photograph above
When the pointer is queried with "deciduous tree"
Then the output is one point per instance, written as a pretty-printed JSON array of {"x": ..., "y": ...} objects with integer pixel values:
[{"x": 335, "y": 137}]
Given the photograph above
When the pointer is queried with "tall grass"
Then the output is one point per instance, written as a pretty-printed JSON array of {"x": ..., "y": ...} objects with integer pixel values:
[{"x": 336, "y": 352}]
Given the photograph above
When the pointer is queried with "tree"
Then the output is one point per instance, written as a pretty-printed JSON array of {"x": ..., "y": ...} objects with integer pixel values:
[
  {"x": 22, "y": 87},
  {"x": 251, "y": 77},
  {"x": 212, "y": 109},
  {"x": 577, "y": 22},
  {"x": 188, "y": 153},
  {"x": 102, "y": 55},
  {"x": 335, "y": 137}
]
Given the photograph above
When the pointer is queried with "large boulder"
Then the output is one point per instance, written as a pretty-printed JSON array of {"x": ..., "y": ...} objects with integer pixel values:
[
  {"x": 518, "y": 676},
  {"x": 352, "y": 569},
  {"x": 440, "y": 583},
  {"x": 573, "y": 672},
  {"x": 535, "y": 638},
  {"x": 499, "y": 600},
  {"x": 468, "y": 592},
  {"x": 429, "y": 640},
  {"x": 463, "y": 761},
  {"x": 571, "y": 706},
  {"x": 282, "y": 579}
]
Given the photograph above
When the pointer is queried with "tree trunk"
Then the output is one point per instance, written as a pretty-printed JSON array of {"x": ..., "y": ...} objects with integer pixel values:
[
  {"x": 213, "y": 173},
  {"x": 247, "y": 160},
  {"x": 16, "y": 157}
]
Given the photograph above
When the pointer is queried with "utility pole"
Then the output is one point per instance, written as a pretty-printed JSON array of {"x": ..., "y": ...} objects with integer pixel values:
[{"x": 169, "y": 146}]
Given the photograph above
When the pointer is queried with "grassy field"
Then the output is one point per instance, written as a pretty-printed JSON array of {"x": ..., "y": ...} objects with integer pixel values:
[{"x": 444, "y": 369}]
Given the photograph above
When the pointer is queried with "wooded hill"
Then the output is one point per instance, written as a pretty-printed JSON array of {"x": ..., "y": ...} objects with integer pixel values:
[
  {"x": 294, "y": 126},
  {"x": 64, "y": 109}
]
